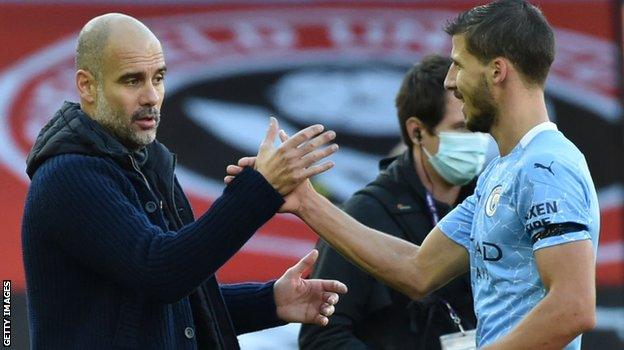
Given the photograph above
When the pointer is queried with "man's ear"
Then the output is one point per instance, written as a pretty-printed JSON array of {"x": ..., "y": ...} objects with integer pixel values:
[
  {"x": 499, "y": 68},
  {"x": 87, "y": 86},
  {"x": 414, "y": 127}
]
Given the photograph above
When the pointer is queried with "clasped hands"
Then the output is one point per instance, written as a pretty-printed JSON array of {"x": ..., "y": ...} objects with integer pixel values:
[
  {"x": 286, "y": 166},
  {"x": 288, "y": 169}
]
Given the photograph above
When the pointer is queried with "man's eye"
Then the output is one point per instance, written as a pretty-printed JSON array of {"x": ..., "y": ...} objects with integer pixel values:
[
  {"x": 159, "y": 79},
  {"x": 132, "y": 82}
]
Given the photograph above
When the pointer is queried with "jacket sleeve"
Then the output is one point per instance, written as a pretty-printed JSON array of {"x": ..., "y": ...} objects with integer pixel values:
[
  {"x": 87, "y": 204},
  {"x": 354, "y": 306},
  {"x": 251, "y": 306}
]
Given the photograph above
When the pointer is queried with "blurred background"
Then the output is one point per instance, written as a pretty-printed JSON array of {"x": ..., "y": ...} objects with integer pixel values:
[{"x": 231, "y": 64}]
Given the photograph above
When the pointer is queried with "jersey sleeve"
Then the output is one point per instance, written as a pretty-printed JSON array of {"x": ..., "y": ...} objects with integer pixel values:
[
  {"x": 553, "y": 203},
  {"x": 457, "y": 224}
]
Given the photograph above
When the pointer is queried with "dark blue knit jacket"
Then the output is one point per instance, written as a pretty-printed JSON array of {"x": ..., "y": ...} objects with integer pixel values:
[{"x": 114, "y": 258}]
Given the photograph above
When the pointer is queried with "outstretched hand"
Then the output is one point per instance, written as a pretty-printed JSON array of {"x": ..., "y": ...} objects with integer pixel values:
[
  {"x": 292, "y": 201},
  {"x": 306, "y": 300},
  {"x": 292, "y": 162}
]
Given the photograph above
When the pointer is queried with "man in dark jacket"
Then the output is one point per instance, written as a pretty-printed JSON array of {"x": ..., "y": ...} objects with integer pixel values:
[
  {"x": 113, "y": 255},
  {"x": 398, "y": 202}
]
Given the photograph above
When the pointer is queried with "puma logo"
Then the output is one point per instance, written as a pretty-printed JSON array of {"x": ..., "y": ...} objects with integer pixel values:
[{"x": 541, "y": 166}]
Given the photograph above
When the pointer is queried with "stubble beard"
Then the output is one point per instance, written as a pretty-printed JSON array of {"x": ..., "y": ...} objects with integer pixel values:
[
  {"x": 486, "y": 112},
  {"x": 120, "y": 125}
]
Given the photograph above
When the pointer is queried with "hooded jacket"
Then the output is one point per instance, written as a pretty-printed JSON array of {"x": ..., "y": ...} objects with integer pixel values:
[{"x": 114, "y": 258}]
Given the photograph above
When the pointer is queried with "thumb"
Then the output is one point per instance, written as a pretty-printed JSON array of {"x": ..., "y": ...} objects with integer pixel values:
[
  {"x": 269, "y": 139},
  {"x": 305, "y": 264},
  {"x": 247, "y": 161}
]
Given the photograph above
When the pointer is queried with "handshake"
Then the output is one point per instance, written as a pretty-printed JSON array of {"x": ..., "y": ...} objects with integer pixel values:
[{"x": 288, "y": 167}]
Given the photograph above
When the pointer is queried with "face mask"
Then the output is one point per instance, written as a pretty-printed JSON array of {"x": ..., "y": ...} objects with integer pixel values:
[{"x": 460, "y": 156}]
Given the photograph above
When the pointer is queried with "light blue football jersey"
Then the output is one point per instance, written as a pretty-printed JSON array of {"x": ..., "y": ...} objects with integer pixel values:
[{"x": 543, "y": 180}]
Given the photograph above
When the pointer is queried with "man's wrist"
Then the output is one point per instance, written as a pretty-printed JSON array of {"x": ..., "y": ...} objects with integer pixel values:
[
  {"x": 308, "y": 205},
  {"x": 268, "y": 179}
]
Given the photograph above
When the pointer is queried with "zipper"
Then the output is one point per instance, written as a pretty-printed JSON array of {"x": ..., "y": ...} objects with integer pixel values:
[
  {"x": 136, "y": 167},
  {"x": 173, "y": 203}
]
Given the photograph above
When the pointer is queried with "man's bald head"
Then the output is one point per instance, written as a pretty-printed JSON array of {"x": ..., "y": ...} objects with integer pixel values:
[
  {"x": 102, "y": 31},
  {"x": 120, "y": 77}
]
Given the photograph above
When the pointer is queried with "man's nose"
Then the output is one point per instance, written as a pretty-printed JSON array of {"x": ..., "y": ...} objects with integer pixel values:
[
  {"x": 150, "y": 95},
  {"x": 449, "y": 80}
]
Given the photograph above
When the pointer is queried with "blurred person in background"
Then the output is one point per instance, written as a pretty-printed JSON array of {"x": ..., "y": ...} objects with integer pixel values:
[
  {"x": 529, "y": 233},
  {"x": 113, "y": 255},
  {"x": 412, "y": 192}
]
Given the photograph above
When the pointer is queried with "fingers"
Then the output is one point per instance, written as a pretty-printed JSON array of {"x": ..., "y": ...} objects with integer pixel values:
[
  {"x": 228, "y": 179},
  {"x": 269, "y": 139},
  {"x": 303, "y": 136},
  {"x": 331, "y": 298},
  {"x": 247, "y": 161},
  {"x": 242, "y": 163},
  {"x": 313, "y": 155},
  {"x": 321, "y": 320},
  {"x": 316, "y": 143},
  {"x": 333, "y": 286},
  {"x": 233, "y": 170},
  {"x": 285, "y": 167},
  {"x": 317, "y": 169},
  {"x": 283, "y": 135},
  {"x": 317, "y": 155},
  {"x": 305, "y": 263},
  {"x": 327, "y": 310}
]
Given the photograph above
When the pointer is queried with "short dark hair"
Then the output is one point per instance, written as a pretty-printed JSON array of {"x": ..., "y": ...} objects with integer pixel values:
[
  {"x": 513, "y": 29},
  {"x": 422, "y": 94}
]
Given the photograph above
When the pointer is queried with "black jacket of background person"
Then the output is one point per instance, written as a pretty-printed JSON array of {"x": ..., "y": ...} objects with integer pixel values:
[
  {"x": 372, "y": 315},
  {"x": 113, "y": 256}
]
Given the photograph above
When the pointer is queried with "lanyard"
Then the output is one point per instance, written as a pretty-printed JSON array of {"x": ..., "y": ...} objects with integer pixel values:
[
  {"x": 454, "y": 316},
  {"x": 435, "y": 218}
]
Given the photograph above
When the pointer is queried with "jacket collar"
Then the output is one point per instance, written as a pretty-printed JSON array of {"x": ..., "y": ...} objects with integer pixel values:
[
  {"x": 401, "y": 170},
  {"x": 71, "y": 131}
]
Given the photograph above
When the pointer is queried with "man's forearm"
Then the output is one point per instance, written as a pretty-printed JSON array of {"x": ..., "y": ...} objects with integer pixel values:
[
  {"x": 385, "y": 257},
  {"x": 552, "y": 324}
]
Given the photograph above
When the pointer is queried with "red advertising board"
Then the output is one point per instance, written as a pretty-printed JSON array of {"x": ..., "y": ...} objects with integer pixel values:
[
  {"x": 232, "y": 64},
  {"x": 216, "y": 51}
]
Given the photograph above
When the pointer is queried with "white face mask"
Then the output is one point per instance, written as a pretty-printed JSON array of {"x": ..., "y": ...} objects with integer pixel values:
[{"x": 460, "y": 156}]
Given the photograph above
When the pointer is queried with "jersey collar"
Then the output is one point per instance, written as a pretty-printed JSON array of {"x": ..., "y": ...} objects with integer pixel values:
[{"x": 526, "y": 139}]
